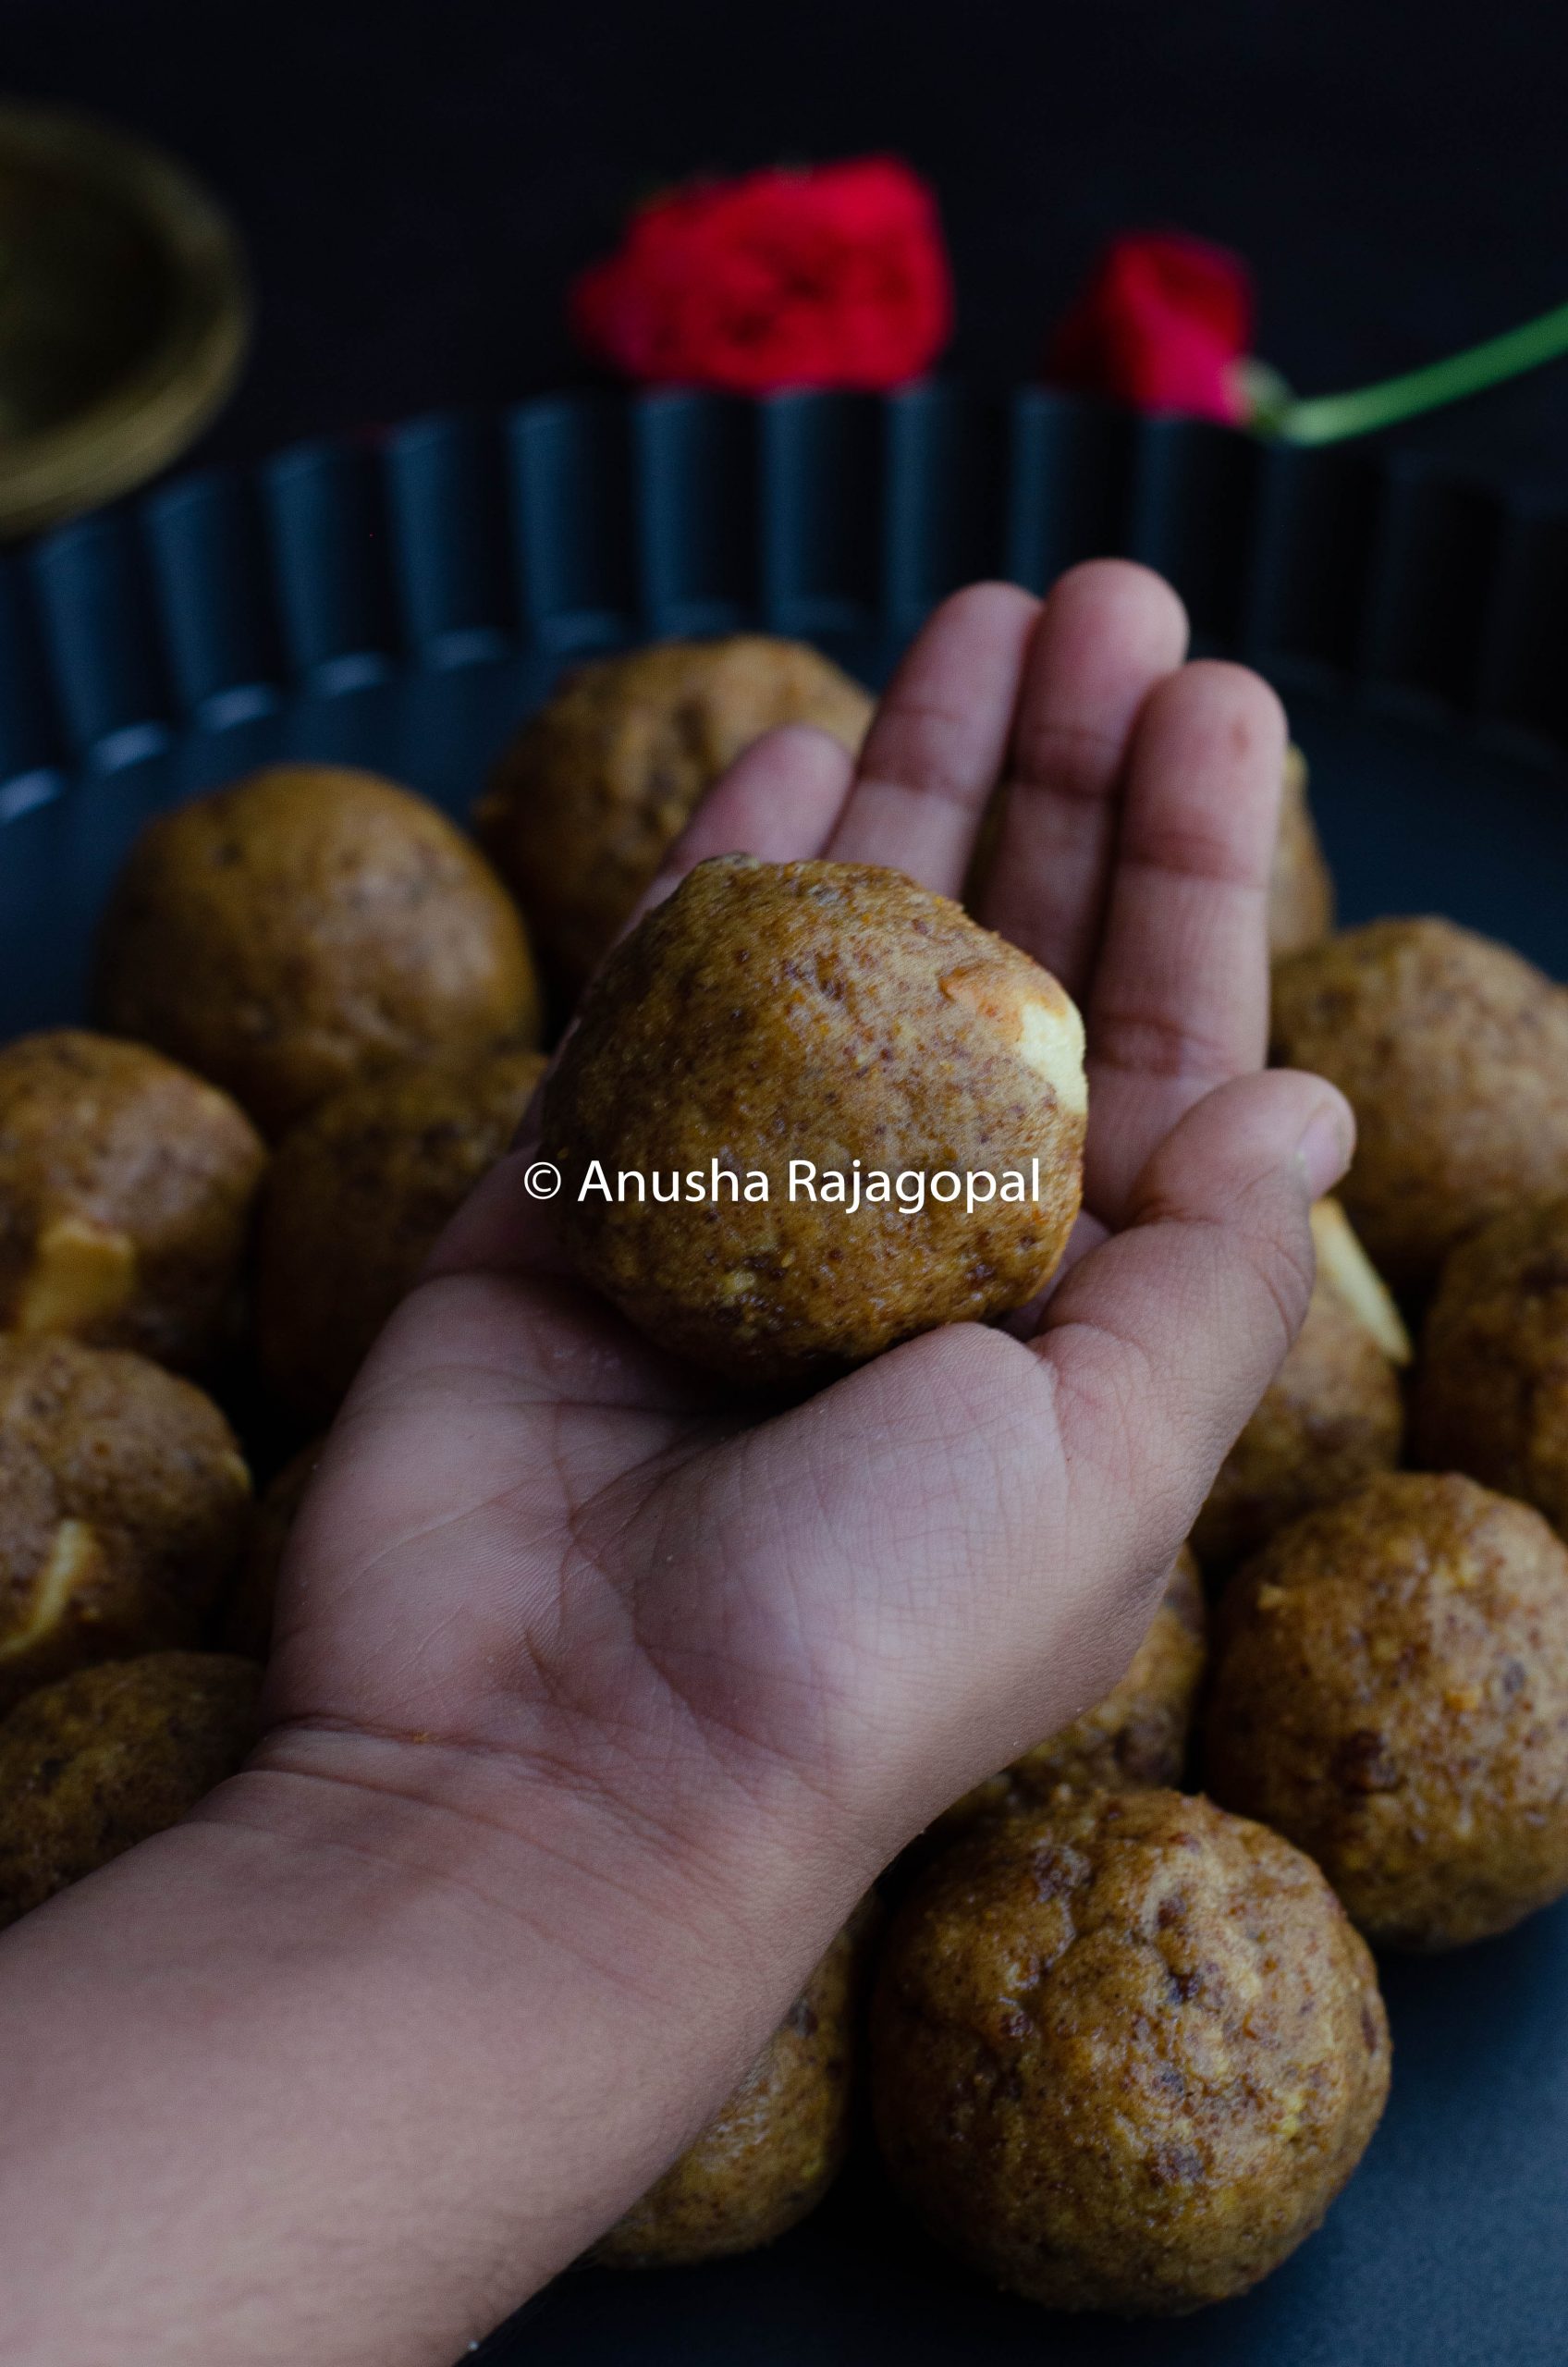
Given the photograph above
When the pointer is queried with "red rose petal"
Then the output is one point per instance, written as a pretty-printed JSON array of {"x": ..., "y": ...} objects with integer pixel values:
[
  {"x": 835, "y": 276},
  {"x": 1161, "y": 324}
]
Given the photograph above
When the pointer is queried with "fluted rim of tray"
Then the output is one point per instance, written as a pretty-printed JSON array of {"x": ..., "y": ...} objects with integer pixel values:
[{"x": 578, "y": 521}]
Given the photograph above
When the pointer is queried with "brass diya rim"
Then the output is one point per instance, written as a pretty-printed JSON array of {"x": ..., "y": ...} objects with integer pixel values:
[{"x": 121, "y": 435}]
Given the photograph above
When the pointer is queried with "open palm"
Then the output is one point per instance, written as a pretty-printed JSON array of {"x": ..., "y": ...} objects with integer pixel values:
[{"x": 539, "y": 1544}]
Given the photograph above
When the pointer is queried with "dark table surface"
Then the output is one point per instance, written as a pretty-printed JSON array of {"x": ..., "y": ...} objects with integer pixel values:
[{"x": 417, "y": 179}]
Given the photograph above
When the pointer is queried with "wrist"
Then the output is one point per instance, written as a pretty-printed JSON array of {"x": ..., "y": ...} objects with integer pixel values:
[
  {"x": 650, "y": 1952},
  {"x": 623, "y": 1892},
  {"x": 452, "y": 2014},
  {"x": 707, "y": 1866}
]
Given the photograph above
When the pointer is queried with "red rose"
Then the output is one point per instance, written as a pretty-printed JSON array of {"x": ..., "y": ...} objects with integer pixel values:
[
  {"x": 835, "y": 276},
  {"x": 1162, "y": 324}
]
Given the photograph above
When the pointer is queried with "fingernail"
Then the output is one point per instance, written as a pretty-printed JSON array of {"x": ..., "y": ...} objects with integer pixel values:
[{"x": 1326, "y": 1144}]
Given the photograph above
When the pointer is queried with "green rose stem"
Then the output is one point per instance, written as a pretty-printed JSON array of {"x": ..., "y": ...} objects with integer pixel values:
[{"x": 1329, "y": 419}]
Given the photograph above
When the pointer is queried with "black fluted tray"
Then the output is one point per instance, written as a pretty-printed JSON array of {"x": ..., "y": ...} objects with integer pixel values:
[{"x": 401, "y": 601}]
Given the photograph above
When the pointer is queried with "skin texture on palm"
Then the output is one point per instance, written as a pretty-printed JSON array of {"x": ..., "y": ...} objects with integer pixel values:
[{"x": 598, "y": 1698}]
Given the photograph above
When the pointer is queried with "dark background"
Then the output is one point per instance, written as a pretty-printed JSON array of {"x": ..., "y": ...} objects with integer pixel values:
[{"x": 417, "y": 179}]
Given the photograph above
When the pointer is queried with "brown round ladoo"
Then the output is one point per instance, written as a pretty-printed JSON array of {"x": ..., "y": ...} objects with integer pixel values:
[
  {"x": 811, "y": 1109},
  {"x": 1390, "y": 1690},
  {"x": 123, "y": 1502},
  {"x": 1454, "y": 1053},
  {"x": 335, "y": 923},
  {"x": 587, "y": 799},
  {"x": 1125, "y": 2052},
  {"x": 125, "y": 1189}
]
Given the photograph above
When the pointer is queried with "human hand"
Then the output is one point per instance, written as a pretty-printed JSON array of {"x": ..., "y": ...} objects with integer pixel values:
[{"x": 542, "y": 1548}]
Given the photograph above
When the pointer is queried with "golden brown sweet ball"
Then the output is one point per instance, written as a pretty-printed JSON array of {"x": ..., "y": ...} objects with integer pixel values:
[
  {"x": 123, "y": 1503},
  {"x": 770, "y": 2154},
  {"x": 1301, "y": 886},
  {"x": 1390, "y": 1690},
  {"x": 1454, "y": 1053},
  {"x": 285, "y": 934},
  {"x": 1332, "y": 1415},
  {"x": 107, "y": 1756},
  {"x": 249, "y": 1622},
  {"x": 590, "y": 794},
  {"x": 356, "y": 1198},
  {"x": 1491, "y": 1388},
  {"x": 1125, "y": 2052},
  {"x": 788, "y": 1040},
  {"x": 1136, "y": 1737},
  {"x": 126, "y": 1189}
]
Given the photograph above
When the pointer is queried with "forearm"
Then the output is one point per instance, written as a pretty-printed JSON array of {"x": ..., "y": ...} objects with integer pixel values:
[{"x": 443, "y": 2052}]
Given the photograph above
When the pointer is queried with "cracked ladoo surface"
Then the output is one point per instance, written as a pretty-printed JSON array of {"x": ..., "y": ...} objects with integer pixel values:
[
  {"x": 826, "y": 1013},
  {"x": 1125, "y": 2052}
]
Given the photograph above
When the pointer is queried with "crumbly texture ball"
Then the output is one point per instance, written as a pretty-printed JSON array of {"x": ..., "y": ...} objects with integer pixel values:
[
  {"x": 249, "y": 1621},
  {"x": 1125, "y": 2052},
  {"x": 357, "y": 1195},
  {"x": 1136, "y": 1737},
  {"x": 126, "y": 1187},
  {"x": 1454, "y": 1053},
  {"x": 770, "y": 2154},
  {"x": 123, "y": 1501},
  {"x": 1492, "y": 1389},
  {"x": 590, "y": 794},
  {"x": 1301, "y": 886},
  {"x": 823, "y": 1013},
  {"x": 106, "y": 1757},
  {"x": 285, "y": 934},
  {"x": 1390, "y": 1690},
  {"x": 1331, "y": 1417}
]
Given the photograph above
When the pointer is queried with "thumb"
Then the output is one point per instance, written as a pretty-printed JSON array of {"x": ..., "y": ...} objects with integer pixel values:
[{"x": 1161, "y": 1342}]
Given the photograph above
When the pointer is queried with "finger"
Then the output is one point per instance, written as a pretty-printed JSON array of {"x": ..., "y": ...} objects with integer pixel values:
[
  {"x": 1162, "y": 1342},
  {"x": 1180, "y": 998},
  {"x": 1109, "y": 632},
  {"x": 937, "y": 745},
  {"x": 780, "y": 800}
]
